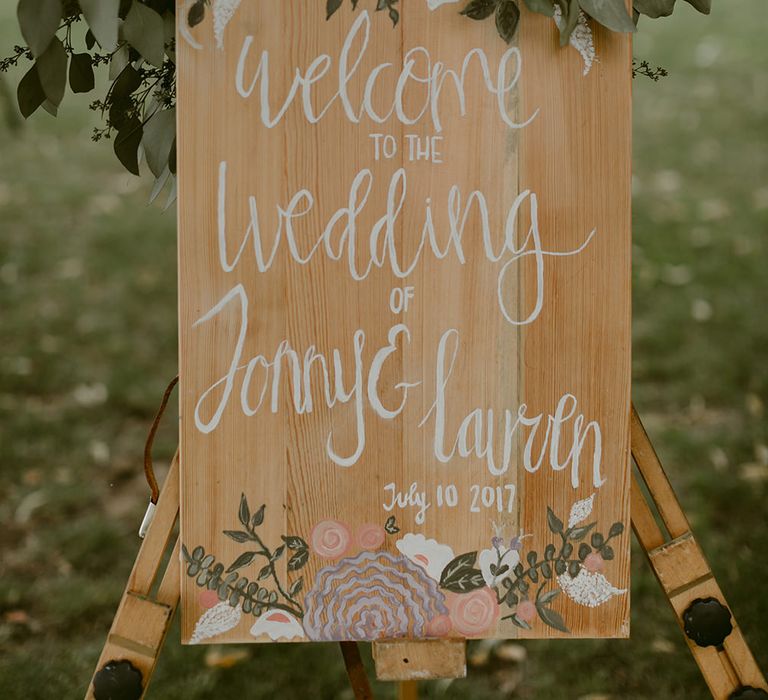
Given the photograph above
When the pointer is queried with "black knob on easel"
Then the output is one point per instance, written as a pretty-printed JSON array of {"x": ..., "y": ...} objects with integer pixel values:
[
  {"x": 747, "y": 692},
  {"x": 118, "y": 680},
  {"x": 707, "y": 622}
]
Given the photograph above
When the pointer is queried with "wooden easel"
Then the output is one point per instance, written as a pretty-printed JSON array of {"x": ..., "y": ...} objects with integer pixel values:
[{"x": 147, "y": 606}]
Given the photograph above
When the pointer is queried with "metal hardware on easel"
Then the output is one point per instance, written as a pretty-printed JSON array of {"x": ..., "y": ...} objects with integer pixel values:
[
  {"x": 118, "y": 680},
  {"x": 748, "y": 693},
  {"x": 707, "y": 622}
]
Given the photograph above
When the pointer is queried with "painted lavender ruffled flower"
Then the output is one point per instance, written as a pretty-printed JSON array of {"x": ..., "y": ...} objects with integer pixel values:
[{"x": 373, "y": 595}]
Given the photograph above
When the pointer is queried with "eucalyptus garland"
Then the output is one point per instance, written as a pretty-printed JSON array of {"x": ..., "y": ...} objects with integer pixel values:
[{"x": 134, "y": 41}]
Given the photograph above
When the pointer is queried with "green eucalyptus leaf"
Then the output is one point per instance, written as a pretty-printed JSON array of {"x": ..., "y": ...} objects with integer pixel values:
[
  {"x": 543, "y": 7},
  {"x": 38, "y": 21},
  {"x": 573, "y": 569},
  {"x": 144, "y": 30},
  {"x": 172, "y": 158},
  {"x": 157, "y": 188},
  {"x": 518, "y": 622},
  {"x": 29, "y": 93},
  {"x": 597, "y": 540},
  {"x": 90, "y": 40},
  {"x": 81, "y": 77},
  {"x": 578, "y": 533},
  {"x": 102, "y": 18},
  {"x": 507, "y": 18},
  {"x": 584, "y": 551},
  {"x": 479, "y": 9},
  {"x": 546, "y": 570},
  {"x": 610, "y": 13},
  {"x": 571, "y": 18},
  {"x": 607, "y": 553},
  {"x": 265, "y": 572},
  {"x": 119, "y": 61},
  {"x": 127, "y": 144},
  {"x": 703, "y": 6},
  {"x": 549, "y": 596},
  {"x": 52, "y": 69},
  {"x": 560, "y": 567},
  {"x": 654, "y": 8}
]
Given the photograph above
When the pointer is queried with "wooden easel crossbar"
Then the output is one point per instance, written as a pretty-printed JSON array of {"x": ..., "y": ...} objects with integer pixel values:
[{"x": 151, "y": 596}]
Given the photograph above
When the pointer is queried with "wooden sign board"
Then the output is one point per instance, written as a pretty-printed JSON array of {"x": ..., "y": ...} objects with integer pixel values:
[{"x": 404, "y": 259}]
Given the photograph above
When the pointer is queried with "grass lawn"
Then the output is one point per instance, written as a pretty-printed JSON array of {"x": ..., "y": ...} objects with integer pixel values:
[{"x": 88, "y": 331}]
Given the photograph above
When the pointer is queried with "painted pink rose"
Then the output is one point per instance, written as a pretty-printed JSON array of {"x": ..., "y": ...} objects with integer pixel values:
[
  {"x": 439, "y": 626},
  {"x": 208, "y": 599},
  {"x": 370, "y": 536},
  {"x": 526, "y": 611},
  {"x": 594, "y": 562},
  {"x": 330, "y": 539},
  {"x": 474, "y": 613}
]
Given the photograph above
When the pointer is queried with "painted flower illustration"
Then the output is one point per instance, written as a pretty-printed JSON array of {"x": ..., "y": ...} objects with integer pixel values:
[
  {"x": 277, "y": 624},
  {"x": 222, "y": 617},
  {"x": 588, "y": 588},
  {"x": 330, "y": 539},
  {"x": 373, "y": 595},
  {"x": 474, "y": 613},
  {"x": 429, "y": 554},
  {"x": 434, "y": 4},
  {"x": 370, "y": 536}
]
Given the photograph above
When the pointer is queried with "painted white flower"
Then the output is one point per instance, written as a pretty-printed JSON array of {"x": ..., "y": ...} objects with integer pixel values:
[
  {"x": 277, "y": 624},
  {"x": 488, "y": 557},
  {"x": 223, "y": 11},
  {"x": 580, "y": 511},
  {"x": 434, "y": 4},
  {"x": 581, "y": 38},
  {"x": 589, "y": 588},
  {"x": 429, "y": 554},
  {"x": 221, "y": 618}
]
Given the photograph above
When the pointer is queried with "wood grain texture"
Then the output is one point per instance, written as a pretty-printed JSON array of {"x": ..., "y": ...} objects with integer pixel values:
[{"x": 574, "y": 156}]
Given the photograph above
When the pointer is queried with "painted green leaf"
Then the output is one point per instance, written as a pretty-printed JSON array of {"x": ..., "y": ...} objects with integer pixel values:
[
  {"x": 237, "y": 535},
  {"x": 479, "y": 9},
  {"x": 294, "y": 542},
  {"x": 610, "y": 13},
  {"x": 549, "y": 596},
  {"x": 567, "y": 550},
  {"x": 654, "y": 8},
  {"x": 81, "y": 72},
  {"x": 463, "y": 561},
  {"x": 331, "y": 6},
  {"x": 507, "y": 17},
  {"x": 549, "y": 552},
  {"x": 463, "y": 581},
  {"x": 196, "y": 13},
  {"x": 616, "y": 529},
  {"x": 518, "y": 622},
  {"x": 30, "y": 93},
  {"x": 546, "y": 570},
  {"x": 579, "y": 533},
  {"x": 242, "y": 560},
  {"x": 511, "y": 599},
  {"x": 38, "y": 21},
  {"x": 278, "y": 553},
  {"x": 551, "y": 618},
  {"x": 560, "y": 567},
  {"x": 543, "y": 7},
  {"x": 102, "y": 18},
  {"x": 555, "y": 524},
  {"x": 296, "y": 587},
  {"x": 573, "y": 569},
  {"x": 143, "y": 29},
  {"x": 52, "y": 69},
  {"x": 597, "y": 540},
  {"x": 298, "y": 560},
  {"x": 584, "y": 551},
  {"x": 265, "y": 572},
  {"x": 258, "y": 516},
  {"x": 244, "y": 512},
  {"x": 391, "y": 526},
  {"x": 607, "y": 552}
]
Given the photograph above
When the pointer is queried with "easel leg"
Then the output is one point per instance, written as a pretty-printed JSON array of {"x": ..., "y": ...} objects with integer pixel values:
[{"x": 712, "y": 634}]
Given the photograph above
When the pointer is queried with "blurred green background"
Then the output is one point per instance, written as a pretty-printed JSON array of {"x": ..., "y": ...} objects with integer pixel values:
[{"x": 88, "y": 342}]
